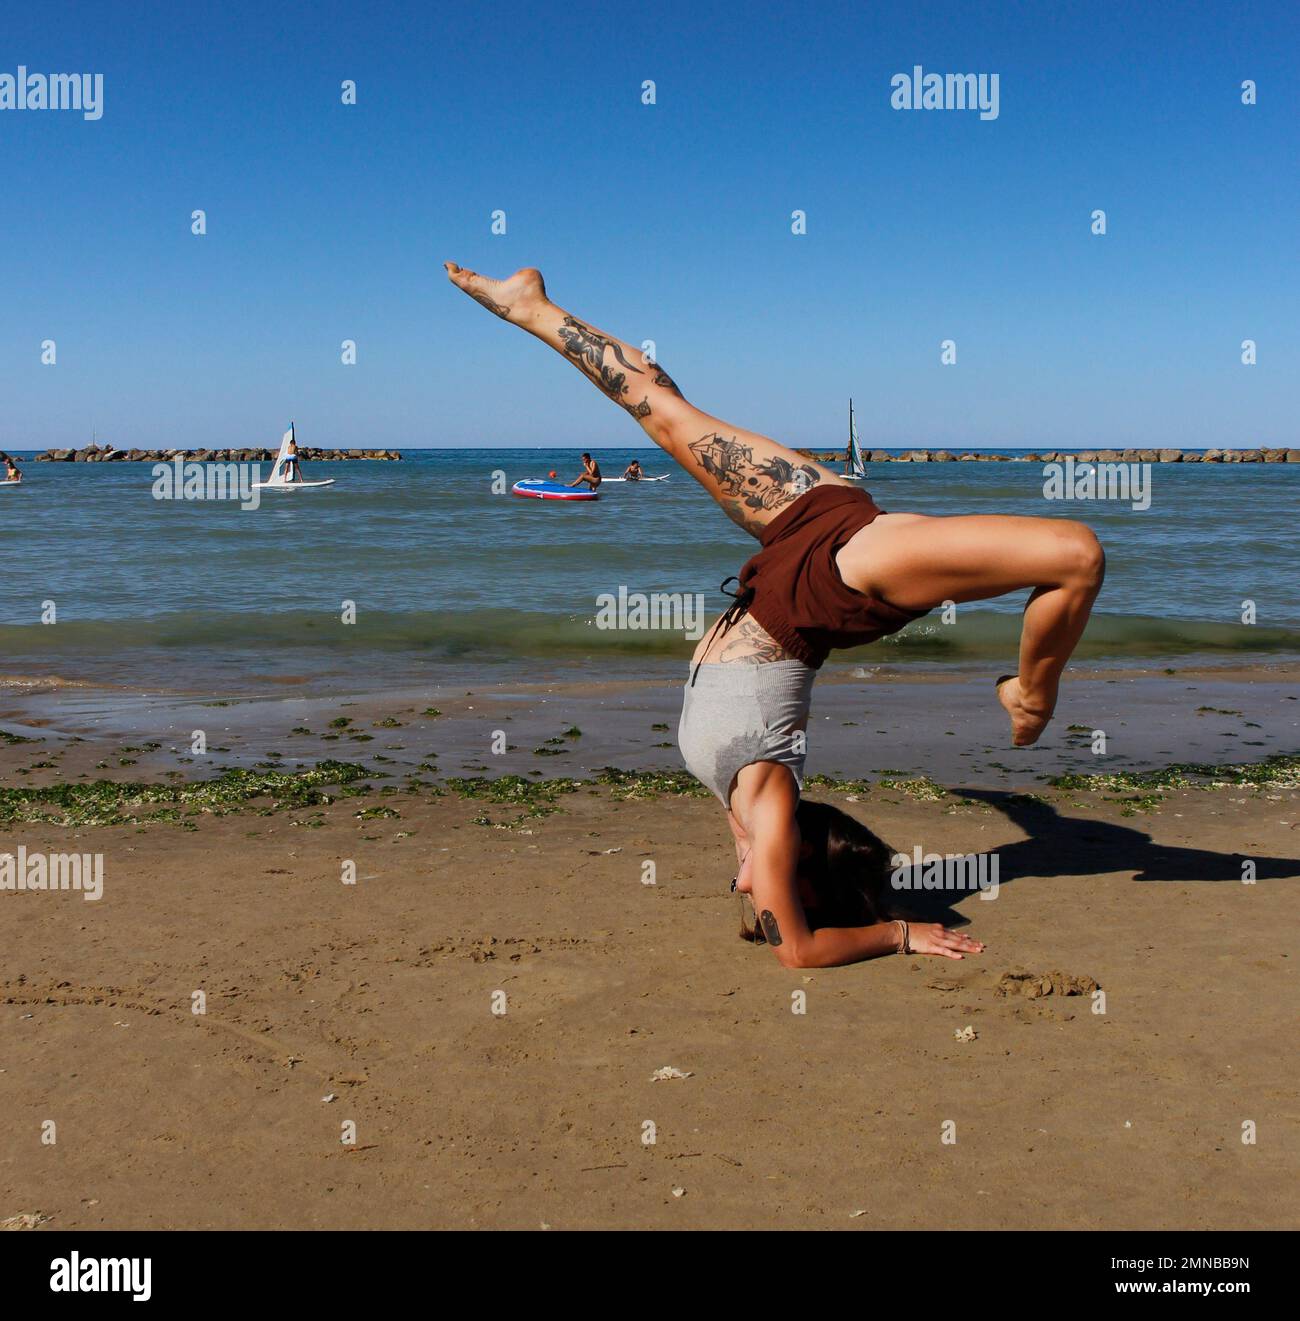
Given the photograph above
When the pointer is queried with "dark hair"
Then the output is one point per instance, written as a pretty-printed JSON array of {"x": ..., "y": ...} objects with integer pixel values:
[
  {"x": 585, "y": 455},
  {"x": 847, "y": 869}
]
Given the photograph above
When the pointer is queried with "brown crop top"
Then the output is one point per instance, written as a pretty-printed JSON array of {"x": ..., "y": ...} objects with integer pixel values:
[{"x": 793, "y": 588}]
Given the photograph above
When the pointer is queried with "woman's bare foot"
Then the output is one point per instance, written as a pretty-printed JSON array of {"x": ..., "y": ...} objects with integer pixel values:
[
  {"x": 517, "y": 299},
  {"x": 1028, "y": 717}
]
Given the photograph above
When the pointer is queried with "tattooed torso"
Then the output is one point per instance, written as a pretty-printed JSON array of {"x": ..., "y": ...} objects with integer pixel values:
[
  {"x": 746, "y": 643},
  {"x": 752, "y": 490}
]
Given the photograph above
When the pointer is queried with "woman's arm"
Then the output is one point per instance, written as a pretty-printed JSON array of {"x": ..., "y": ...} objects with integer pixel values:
[
  {"x": 775, "y": 893},
  {"x": 766, "y": 797}
]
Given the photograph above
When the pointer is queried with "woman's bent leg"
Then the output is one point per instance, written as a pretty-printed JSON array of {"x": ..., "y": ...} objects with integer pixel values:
[
  {"x": 751, "y": 477},
  {"x": 917, "y": 563}
]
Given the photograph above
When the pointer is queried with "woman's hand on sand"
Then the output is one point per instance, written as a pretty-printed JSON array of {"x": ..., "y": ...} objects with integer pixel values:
[{"x": 935, "y": 938}]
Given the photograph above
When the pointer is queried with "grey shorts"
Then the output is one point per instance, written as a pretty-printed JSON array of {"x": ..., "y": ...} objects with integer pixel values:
[{"x": 736, "y": 714}]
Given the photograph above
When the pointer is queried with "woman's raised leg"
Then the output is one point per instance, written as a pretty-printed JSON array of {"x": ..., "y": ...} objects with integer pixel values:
[
  {"x": 918, "y": 562},
  {"x": 751, "y": 477}
]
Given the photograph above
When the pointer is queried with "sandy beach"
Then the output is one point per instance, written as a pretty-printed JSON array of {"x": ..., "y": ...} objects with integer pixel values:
[
  {"x": 489, "y": 1002},
  {"x": 439, "y": 443}
]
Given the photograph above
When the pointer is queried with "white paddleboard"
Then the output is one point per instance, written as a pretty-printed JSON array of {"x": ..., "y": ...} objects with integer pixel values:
[
  {"x": 19, "y": 482},
  {"x": 634, "y": 481},
  {"x": 291, "y": 486}
]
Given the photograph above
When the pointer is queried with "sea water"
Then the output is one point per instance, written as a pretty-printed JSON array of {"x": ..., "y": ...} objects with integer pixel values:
[{"x": 427, "y": 569}]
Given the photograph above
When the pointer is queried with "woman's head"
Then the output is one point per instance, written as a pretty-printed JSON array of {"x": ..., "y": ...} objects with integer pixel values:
[{"x": 844, "y": 870}]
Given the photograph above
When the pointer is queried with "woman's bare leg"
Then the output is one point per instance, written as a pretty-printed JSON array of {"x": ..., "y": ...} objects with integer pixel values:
[
  {"x": 917, "y": 562},
  {"x": 751, "y": 477}
]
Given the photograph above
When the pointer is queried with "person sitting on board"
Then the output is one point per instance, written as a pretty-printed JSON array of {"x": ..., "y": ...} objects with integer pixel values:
[
  {"x": 591, "y": 473},
  {"x": 633, "y": 471},
  {"x": 292, "y": 469},
  {"x": 11, "y": 469}
]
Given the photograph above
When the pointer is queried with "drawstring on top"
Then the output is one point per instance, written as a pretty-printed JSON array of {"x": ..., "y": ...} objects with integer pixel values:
[{"x": 740, "y": 602}]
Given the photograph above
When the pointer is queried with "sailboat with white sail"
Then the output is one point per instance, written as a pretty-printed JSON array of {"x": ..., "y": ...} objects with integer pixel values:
[
  {"x": 278, "y": 481},
  {"x": 854, "y": 469}
]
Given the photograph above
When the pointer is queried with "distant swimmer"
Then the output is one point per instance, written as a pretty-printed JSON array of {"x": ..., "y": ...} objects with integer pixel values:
[
  {"x": 633, "y": 472},
  {"x": 590, "y": 474},
  {"x": 12, "y": 473}
]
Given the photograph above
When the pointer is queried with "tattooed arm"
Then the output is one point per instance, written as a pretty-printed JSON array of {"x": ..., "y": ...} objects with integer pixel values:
[{"x": 765, "y": 800}]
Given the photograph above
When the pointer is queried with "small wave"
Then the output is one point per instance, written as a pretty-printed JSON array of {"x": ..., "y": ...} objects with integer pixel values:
[{"x": 501, "y": 633}]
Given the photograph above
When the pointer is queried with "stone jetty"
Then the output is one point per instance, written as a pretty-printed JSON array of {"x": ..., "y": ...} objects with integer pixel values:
[
  {"x": 1053, "y": 456},
  {"x": 107, "y": 454}
]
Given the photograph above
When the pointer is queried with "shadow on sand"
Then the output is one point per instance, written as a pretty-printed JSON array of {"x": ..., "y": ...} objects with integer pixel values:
[{"x": 1074, "y": 846}]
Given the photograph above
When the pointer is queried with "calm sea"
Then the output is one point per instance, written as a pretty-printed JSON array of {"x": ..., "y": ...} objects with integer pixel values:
[{"x": 450, "y": 580}]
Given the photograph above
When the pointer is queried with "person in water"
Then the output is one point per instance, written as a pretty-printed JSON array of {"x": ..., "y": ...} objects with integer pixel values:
[
  {"x": 833, "y": 570},
  {"x": 590, "y": 473},
  {"x": 12, "y": 474},
  {"x": 633, "y": 473}
]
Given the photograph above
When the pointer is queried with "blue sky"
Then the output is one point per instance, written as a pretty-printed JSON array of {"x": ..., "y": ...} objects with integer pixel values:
[{"x": 672, "y": 222}]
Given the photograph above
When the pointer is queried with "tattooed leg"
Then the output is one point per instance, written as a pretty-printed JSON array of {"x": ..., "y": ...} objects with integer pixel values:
[{"x": 751, "y": 477}]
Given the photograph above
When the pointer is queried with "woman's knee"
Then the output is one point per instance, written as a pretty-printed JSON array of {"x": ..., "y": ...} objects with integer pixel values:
[
  {"x": 674, "y": 424},
  {"x": 1084, "y": 560}
]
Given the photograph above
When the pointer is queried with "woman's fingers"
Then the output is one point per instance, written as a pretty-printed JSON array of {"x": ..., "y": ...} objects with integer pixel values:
[{"x": 955, "y": 944}]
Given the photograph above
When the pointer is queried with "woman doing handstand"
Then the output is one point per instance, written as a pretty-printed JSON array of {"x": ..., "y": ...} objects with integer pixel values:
[{"x": 834, "y": 571}]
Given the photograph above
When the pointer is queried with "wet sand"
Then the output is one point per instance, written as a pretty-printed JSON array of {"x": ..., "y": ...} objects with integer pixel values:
[{"x": 865, "y": 721}]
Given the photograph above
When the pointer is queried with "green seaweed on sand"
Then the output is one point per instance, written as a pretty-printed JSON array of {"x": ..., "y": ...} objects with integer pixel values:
[
  {"x": 6, "y": 737},
  {"x": 110, "y": 802},
  {"x": 511, "y": 789},
  {"x": 839, "y": 786},
  {"x": 626, "y": 785},
  {"x": 1279, "y": 771},
  {"x": 534, "y": 798},
  {"x": 922, "y": 788}
]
